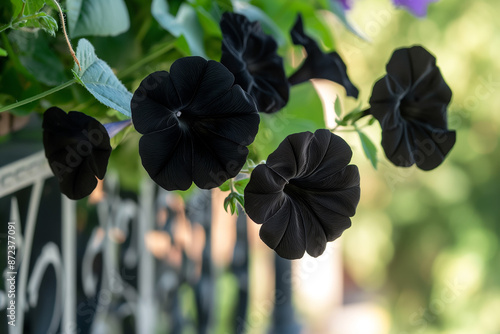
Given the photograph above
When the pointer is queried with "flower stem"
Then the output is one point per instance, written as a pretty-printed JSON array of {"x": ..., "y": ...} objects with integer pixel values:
[
  {"x": 22, "y": 10},
  {"x": 19, "y": 19},
  {"x": 5, "y": 27},
  {"x": 29, "y": 17},
  {"x": 348, "y": 128},
  {"x": 364, "y": 113},
  {"x": 37, "y": 97}
]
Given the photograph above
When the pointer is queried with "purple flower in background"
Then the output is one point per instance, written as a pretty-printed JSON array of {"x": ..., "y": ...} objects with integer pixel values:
[
  {"x": 416, "y": 7},
  {"x": 346, "y": 4}
]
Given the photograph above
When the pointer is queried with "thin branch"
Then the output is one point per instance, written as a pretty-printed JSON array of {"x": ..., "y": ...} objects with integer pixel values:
[
  {"x": 63, "y": 23},
  {"x": 37, "y": 97}
]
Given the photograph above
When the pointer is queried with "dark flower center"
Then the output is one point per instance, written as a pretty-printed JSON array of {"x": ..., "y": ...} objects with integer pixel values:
[
  {"x": 295, "y": 192},
  {"x": 410, "y": 108},
  {"x": 183, "y": 119}
]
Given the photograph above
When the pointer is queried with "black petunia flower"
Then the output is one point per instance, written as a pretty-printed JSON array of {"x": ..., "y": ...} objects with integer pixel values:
[
  {"x": 77, "y": 148},
  {"x": 251, "y": 56},
  {"x": 410, "y": 103},
  {"x": 319, "y": 65},
  {"x": 195, "y": 123},
  {"x": 305, "y": 193}
]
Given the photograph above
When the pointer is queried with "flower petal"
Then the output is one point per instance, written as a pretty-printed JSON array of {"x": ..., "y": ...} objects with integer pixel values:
[
  {"x": 251, "y": 56},
  {"x": 198, "y": 81},
  {"x": 264, "y": 194},
  {"x": 78, "y": 148},
  {"x": 154, "y": 103},
  {"x": 231, "y": 116},
  {"x": 167, "y": 157},
  {"x": 292, "y": 244},
  {"x": 338, "y": 193},
  {"x": 431, "y": 146},
  {"x": 217, "y": 160},
  {"x": 319, "y": 65}
]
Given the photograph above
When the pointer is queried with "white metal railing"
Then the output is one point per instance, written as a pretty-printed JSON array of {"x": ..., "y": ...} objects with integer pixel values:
[{"x": 113, "y": 211}]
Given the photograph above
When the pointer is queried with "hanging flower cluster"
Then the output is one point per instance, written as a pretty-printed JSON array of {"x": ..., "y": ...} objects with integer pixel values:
[
  {"x": 198, "y": 119},
  {"x": 251, "y": 56}
]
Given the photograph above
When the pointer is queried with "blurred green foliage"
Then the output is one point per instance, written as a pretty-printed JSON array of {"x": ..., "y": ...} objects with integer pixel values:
[{"x": 427, "y": 242}]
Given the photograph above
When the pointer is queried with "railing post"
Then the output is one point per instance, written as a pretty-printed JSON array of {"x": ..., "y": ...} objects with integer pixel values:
[{"x": 69, "y": 263}]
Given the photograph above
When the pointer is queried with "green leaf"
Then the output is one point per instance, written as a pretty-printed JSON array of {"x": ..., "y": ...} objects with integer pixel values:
[
  {"x": 226, "y": 186},
  {"x": 233, "y": 206},
  {"x": 37, "y": 56},
  {"x": 185, "y": 23},
  {"x": 353, "y": 115},
  {"x": 371, "y": 120},
  {"x": 100, "y": 80},
  {"x": 182, "y": 46},
  {"x": 240, "y": 199},
  {"x": 254, "y": 13},
  {"x": 15, "y": 85},
  {"x": 97, "y": 17},
  {"x": 33, "y": 6},
  {"x": 231, "y": 200},
  {"x": 225, "y": 5},
  {"x": 3, "y": 53},
  {"x": 240, "y": 185},
  {"x": 17, "y": 5},
  {"x": 227, "y": 202},
  {"x": 337, "y": 107},
  {"x": 45, "y": 22},
  {"x": 209, "y": 24},
  {"x": 319, "y": 29},
  {"x": 49, "y": 24},
  {"x": 6, "y": 12},
  {"x": 368, "y": 147}
]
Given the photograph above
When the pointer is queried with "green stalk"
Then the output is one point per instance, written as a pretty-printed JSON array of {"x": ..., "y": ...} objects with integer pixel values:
[
  {"x": 19, "y": 19},
  {"x": 37, "y": 97},
  {"x": 5, "y": 27}
]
